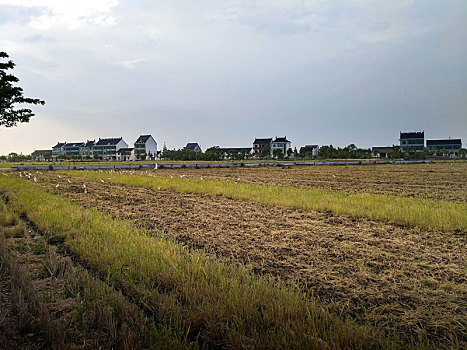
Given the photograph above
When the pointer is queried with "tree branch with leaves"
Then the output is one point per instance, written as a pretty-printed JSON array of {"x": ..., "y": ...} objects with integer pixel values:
[{"x": 11, "y": 96}]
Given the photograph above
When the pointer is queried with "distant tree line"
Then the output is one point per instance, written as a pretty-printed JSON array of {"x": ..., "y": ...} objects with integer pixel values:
[
  {"x": 349, "y": 152},
  {"x": 184, "y": 154},
  {"x": 15, "y": 157}
]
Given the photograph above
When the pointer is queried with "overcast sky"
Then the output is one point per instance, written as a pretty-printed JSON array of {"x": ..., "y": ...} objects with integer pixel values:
[{"x": 225, "y": 72}]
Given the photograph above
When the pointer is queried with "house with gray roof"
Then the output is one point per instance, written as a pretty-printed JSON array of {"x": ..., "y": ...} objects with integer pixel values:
[
  {"x": 106, "y": 149},
  {"x": 448, "y": 145},
  {"x": 41, "y": 155},
  {"x": 145, "y": 148},
  {"x": 261, "y": 146},
  {"x": 72, "y": 149},
  {"x": 57, "y": 150},
  {"x": 194, "y": 147},
  {"x": 125, "y": 154},
  {"x": 414, "y": 140},
  {"x": 87, "y": 148},
  {"x": 282, "y": 144}
]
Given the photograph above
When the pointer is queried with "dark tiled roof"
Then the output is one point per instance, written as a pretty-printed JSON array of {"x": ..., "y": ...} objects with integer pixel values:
[
  {"x": 59, "y": 144},
  {"x": 108, "y": 142},
  {"x": 412, "y": 135},
  {"x": 124, "y": 150},
  {"x": 263, "y": 141},
  {"x": 311, "y": 146},
  {"x": 444, "y": 142},
  {"x": 191, "y": 145},
  {"x": 143, "y": 138},
  {"x": 384, "y": 149},
  {"x": 38, "y": 152},
  {"x": 281, "y": 139},
  {"x": 74, "y": 144},
  {"x": 90, "y": 143}
]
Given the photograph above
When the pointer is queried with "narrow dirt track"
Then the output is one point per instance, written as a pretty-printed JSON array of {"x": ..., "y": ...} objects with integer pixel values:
[{"x": 371, "y": 270}]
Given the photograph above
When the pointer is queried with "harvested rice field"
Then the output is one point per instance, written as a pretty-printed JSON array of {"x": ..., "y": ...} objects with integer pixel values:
[
  {"x": 405, "y": 283},
  {"x": 435, "y": 180}
]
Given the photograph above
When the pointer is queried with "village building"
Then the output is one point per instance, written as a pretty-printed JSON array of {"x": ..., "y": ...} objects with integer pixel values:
[
  {"x": 106, "y": 149},
  {"x": 282, "y": 144},
  {"x": 310, "y": 151},
  {"x": 72, "y": 149},
  {"x": 448, "y": 145},
  {"x": 86, "y": 149},
  {"x": 57, "y": 150},
  {"x": 414, "y": 140},
  {"x": 262, "y": 146},
  {"x": 125, "y": 154},
  {"x": 145, "y": 148},
  {"x": 381, "y": 152},
  {"x": 41, "y": 155},
  {"x": 193, "y": 146}
]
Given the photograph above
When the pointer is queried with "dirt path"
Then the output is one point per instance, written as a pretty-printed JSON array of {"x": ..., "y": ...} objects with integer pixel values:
[{"x": 370, "y": 270}]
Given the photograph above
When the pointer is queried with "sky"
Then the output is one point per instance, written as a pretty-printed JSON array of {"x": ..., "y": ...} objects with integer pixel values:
[{"x": 225, "y": 72}]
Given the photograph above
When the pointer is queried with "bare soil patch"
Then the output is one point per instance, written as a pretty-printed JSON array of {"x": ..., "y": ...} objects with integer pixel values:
[{"x": 391, "y": 276}]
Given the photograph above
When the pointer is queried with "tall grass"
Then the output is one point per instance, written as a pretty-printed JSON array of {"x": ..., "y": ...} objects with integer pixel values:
[
  {"x": 211, "y": 302},
  {"x": 413, "y": 212}
]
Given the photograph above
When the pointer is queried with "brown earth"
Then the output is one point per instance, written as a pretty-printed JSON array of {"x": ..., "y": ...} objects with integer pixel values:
[
  {"x": 391, "y": 276},
  {"x": 446, "y": 181}
]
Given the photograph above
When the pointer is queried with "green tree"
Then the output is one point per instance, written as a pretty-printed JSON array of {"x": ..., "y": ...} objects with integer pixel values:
[
  {"x": 462, "y": 153},
  {"x": 11, "y": 95},
  {"x": 265, "y": 153},
  {"x": 277, "y": 153}
]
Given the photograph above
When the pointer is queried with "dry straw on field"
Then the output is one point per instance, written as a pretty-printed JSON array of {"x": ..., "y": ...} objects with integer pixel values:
[
  {"x": 414, "y": 212},
  {"x": 217, "y": 304}
]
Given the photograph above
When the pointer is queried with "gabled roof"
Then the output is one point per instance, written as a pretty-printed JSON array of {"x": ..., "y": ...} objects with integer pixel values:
[
  {"x": 444, "y": 142},
  {"x": 412, "y": 135},
  {"x": 108, "y": 142},
  {"x": 383, "y": 149},
  {"x": 38, "y": 152},
  {"x": 121, "y": 150},
  {"x": 74, "y": 144},
  {"x": 90, "y": 143},
  {"x": 192, "y": 145},
  {"x": 59, "y": 144},
  {"x": 281, "y": 139},
  {"x": 143, "y": 138},
  {"x": 263, "y": 141}
]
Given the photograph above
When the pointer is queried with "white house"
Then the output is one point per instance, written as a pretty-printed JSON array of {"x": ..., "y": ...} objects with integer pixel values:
[
  {"x": 145, "y": 147},
  {"x": 106, "y": 149},
  {"x": 282, "y": 144},
  {"x": 125, "y": 154}
]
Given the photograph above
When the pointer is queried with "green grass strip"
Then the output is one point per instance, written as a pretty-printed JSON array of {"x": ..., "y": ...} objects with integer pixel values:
[
  {"x": 214, "y": 303},
  {"x": 413, "y": 212}
]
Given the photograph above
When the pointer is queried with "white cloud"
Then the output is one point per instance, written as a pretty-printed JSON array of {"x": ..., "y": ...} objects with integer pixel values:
[
  {"x": 131, "y": 64},
  {"x": 68, "y": 14}
]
